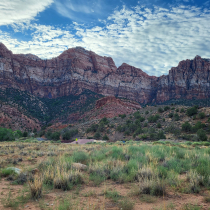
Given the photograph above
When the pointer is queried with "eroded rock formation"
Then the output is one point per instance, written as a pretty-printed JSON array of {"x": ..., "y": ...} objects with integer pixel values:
[{"x": 77, "y": 69}]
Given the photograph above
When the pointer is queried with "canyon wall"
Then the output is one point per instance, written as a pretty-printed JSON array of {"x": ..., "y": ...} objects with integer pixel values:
[{"x": 77, "y": 69}]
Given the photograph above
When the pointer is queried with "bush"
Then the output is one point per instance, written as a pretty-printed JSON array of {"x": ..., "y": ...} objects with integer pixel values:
[
  {"x": 166, "y": 108},
  {"x": 173, "y": 129},
  {"x": 153, "y": 118},
  {"x": 186, "y": 127},
  {"x": 176, "y": 117},
  {"x": 160, "y": 110},
  {"x": 55, "y": 136},
  {"x": 6, "y": 134},
  {"x": 192, "y": 111},
  {"x": 104, "y": 121},
  {"x": 198, "y": 126},
  {"x": 177, "y": 110},
  {"x": 69, "y": 134},
  {"x": 147, "y": 112},
  {"x": 201, "y": 115},
  {"x": 201, "y": 135},
  {"x": 97, "y": 135},
  {"x": 105, "y": 137},
  {"x": 171, "y": 115},
  {"x": 48, "y": 135},
  {"x": 122, "y": 116},
  {"x": 182, "y": 110},
  {"x": 161, "y": 135},
  {"x": 25, "y": 134},
  {"x": 159, "y": 125}
]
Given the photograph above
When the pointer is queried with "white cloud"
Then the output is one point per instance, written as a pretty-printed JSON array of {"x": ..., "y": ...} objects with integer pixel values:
[
  {"x": 151, "y": 40},
  {"x": 21, "y": 11},
  {"x": 72, "y": 9}
]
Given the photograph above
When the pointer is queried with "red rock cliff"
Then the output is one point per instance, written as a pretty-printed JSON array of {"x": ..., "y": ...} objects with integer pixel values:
[{"x": 77, "y": 69}]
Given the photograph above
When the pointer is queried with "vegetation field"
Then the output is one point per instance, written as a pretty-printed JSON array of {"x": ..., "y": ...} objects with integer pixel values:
[{"x": 130, "y": 175}]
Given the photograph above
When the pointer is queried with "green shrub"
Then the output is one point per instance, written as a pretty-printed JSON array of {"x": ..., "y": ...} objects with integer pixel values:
[
  {"x": 104, "y": 121},
  {"x": 160, "y": 110},
  {"x": 164, "y": 120},
  {"x": 55, "y": 136},
  {"x": 159, "y": 125},
  {"x": 105, "y": 137},
  {"x": 192, "y": 111},
  {"x": 122, "y": 116},
  {"x": 186, "y": 127},
  {"x": 201, "y": 135},
  {"x": 176, "y": 117},
  {"x": 147, "y": 112},
  {"x": 153, "y": 118},
  {"x": 198, "y": 126},
  {"x": 97, "y": 135},
  {"x": 48, "y": 135},
  {"x": 68, "y": 134},
  {"x": 171, "y": 114},
  {"x": 166, "y": 108},
  {"x": 201, "y": 115},
  {"x": 80, "y": 157},
  {"x": 177, "y": 110},
  {"x": 25, "y": 134},
  {"x": 161, "y": 135},
  {"x": 6, "y": 134},
  {"x": 6, "y": 172},
  {"x": 182, "y": 110}
]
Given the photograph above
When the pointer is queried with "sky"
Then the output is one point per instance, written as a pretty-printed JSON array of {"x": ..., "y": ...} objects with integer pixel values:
[{"x": 153, "y": 35}]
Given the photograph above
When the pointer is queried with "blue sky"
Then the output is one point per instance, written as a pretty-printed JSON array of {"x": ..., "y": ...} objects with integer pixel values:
[{"x": 152, "y": 35}]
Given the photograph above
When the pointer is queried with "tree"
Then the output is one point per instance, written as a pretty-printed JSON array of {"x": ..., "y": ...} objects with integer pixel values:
[
  {"x": 192, "y": 111},
  {"x": 97, "y": 135},
  {"x": 160, "y": 110},
  {"x": 105, "y": 137},
  {"x": 201, "y": 135},
  {"x": 186, "y": 127}
]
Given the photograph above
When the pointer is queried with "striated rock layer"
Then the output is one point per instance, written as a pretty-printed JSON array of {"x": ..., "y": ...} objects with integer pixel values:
[{"x": 77, "y": 69}]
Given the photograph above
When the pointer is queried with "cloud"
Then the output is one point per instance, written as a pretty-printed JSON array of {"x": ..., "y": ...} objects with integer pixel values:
[
  {"x": 21, "y": 11},
  {"x": 152, "y": 39},
  {"x": 72, "y": 9}
]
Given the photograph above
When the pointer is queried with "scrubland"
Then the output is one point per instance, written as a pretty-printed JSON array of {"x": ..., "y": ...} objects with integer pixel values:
[{"x": 130, "y": 175}]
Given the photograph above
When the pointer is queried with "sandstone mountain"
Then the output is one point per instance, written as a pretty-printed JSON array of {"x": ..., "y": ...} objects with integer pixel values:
[{"x": 77, "y": 69}]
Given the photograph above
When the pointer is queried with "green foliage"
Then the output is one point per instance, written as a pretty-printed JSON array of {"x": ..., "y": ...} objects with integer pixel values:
[
  {"x": 198, "y": 126},
  {"x": 147, "y": 112},
  {"x": 177, "y": 110},
  {"x": 176, "y": 117},
  {"x": 186, "y": 127},
  {"x": 166, "y": 108},
  {"x": 160, "y": 110},
  {"x": 6, "y": 172},
  {"x": 93, "y": 128},
  {"x": 171, "y": 114},
  {"x": 68, "y": 134},
  {"x": 161, "y": 135},
  {"x": 105, "y": 137},
  {"x": 80, "y": 157},
  {"x": 201, "y": 115},
  {"x": 192, "y": 111},
  {"x": 122, "y": 116},
  {"x": 6, "y": 134},
  {"x": 201, "y": 135},
  {"x": 104, "y": 121},
  {"x": 25, "y": 134},
  {"x": 182, "y": 110},
  {"x": 55, "y": 136},
  {"x": 159, "y": 125},
  {"x": 153, "y": 118},
  {"x": 97, "y": 135}
]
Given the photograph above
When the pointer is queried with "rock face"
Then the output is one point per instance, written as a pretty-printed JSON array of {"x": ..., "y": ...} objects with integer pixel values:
[{"x": 77, "y": 69}]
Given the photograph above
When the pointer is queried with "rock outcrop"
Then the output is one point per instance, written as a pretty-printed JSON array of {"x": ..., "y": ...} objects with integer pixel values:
[{"x": 77, "y": 69}]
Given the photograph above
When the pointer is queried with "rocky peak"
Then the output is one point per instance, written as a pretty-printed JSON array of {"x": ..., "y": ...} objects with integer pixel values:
[{"x": 77, "y": 69}]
